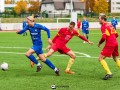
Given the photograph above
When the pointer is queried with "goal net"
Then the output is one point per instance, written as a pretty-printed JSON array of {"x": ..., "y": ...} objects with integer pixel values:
[
  {"x": 63, "y": 22},
  {"x": 0, "y": 25}
]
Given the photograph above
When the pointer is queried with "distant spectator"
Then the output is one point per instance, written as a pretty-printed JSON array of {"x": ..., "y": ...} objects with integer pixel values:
[
  {"x": 85, "y": 28},
  {"x": 78, "y": 25},
  {"x": 114, "y": 22}
]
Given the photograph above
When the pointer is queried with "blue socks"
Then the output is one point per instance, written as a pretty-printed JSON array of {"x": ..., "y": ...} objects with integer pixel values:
[
  {"x": 49, "y": 63},
  {"x": 33, "y": 59}
]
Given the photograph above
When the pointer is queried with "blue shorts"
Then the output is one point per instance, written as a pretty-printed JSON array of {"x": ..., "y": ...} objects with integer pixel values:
[
  {"x": 85, "y": 31},
  {"x": 38, "y": 49}
]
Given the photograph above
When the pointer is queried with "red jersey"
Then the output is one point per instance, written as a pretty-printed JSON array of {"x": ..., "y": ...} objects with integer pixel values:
[
  {"x": 109, "y": 34},
  {"x": 64, "y": 35},
  {"x": 78, "y": 24}
]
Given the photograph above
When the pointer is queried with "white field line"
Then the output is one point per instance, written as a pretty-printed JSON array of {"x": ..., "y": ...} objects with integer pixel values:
[{"x": 61, "y": 55}]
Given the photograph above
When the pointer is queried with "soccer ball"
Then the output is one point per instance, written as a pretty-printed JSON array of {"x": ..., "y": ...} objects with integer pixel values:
[
  {"x": 4, "y": 66},
  {"x": 53, "y": 86}
]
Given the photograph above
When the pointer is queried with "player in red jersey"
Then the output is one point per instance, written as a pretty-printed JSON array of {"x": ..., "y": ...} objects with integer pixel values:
[
  {"x": 78, "y": 25},
  {"x": 59, "y": 44},
  {"x": 109, "y": 35}
]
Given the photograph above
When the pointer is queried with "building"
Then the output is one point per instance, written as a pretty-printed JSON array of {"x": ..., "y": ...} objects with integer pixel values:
[
  {"x": 2, "y": 5},
  {"x": 61, "y": 8},
  {"x": 115, "y": 6},
  {"x": 8, "y": 4}
]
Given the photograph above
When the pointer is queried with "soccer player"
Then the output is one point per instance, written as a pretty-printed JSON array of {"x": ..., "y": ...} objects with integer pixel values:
[
  {"x": 109, "y": 35},
  {"x": 85, "y": 28},
  {"x": 114, "y": 22},
  {"x": 24, "y": 25},
  {"x": 35, "y": 32},
  {"x": 78, "y": 25},
  {"x": 59, "y": 44}
]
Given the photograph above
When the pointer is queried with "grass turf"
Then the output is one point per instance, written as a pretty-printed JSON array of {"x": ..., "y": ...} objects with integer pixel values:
[{"x": 21, "y": 76}]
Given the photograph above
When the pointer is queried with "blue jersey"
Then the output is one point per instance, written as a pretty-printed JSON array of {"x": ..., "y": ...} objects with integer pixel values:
[
  {"x": 35, "y": 32},
  {"x": 24, "y": 24},
  {"x": 114, "y": 22},
  {"x": 85, "y": 25}
]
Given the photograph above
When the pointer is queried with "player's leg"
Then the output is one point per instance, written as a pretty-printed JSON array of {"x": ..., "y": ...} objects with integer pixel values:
[
  {"x": 49, "y": 53},
  {"x": 115, "y": 55},
  {"x": 32, "y": 58},
  {"x": 49, "y": 63},
  {"x": 84, "y": 34},
  {"x": 105, "y": 67},
  {"x": 116, "y": 59},
  {"x": 70, "y": 62}
]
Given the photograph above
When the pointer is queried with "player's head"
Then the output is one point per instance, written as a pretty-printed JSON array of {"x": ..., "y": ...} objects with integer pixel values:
[
  {"x": 102, "y": 19},
  {"x": 30, "y": 20},
  {"x": 113, "y": 17},
  {"x": 84, "y": 18},
  {"x": 71, "y": 25}
]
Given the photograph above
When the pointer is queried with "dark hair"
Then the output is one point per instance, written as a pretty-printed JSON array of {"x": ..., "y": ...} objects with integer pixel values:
[
  {"x": 103, "y": 17},
  {"x": 72, "y": 23}
]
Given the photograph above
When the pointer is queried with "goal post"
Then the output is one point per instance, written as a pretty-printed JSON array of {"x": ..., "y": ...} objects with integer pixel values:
[
  {"x": 63, "y": 22},
  {"x": 67, "y": 20},
  {"x": 0, "y": 25}
]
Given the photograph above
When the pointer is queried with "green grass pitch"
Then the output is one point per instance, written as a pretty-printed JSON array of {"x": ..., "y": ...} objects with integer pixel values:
[{"x": 89, "y": 72}]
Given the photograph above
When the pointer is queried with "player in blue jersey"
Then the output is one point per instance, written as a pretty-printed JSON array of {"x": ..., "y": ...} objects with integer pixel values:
[
  {"x": 85, "y": 28},
  {"x": 114, "y": 22},
  {"x": 35, "y": 33},
  {"x": 24, "y": 25}
]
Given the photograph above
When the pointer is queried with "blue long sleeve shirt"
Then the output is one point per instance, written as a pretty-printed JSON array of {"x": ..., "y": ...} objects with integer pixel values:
[{"x": 35, "y": 32}]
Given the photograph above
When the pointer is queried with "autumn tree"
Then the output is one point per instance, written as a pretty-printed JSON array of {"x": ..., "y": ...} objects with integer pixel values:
[
  {"x": 34, "y": 6},
  {"x": 101, "y": 6},
  {"x": 7, "y": 2},
  {"x": 21, "y": 7},
  {"x": 89, "y": 5}
]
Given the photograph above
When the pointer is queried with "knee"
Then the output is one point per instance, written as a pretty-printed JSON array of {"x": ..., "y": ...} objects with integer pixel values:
[
  {"x": 99, "y": 59},
  {"x": 43, "y": 59},
  {"x": 73, "y": 56},
  {"x": 48, "y": 54},
  {"x": 27, "y": 55}
]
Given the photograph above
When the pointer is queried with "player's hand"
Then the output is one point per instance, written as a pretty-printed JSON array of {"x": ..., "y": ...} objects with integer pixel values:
[
  {"x": 17, "y": 31},
  {"x": 48, "y": 47},
  {"x": 50, "y": 41},
  {"x": 98, "y": 45},
  {"x": 90, "y": 42}
]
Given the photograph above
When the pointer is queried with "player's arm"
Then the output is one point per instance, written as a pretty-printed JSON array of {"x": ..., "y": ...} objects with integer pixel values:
[
  {"x": 103, "y": 38},
  {"x": 83, "y": 38},
  {"x": 88, "y": 24},
  {"x": 22, "y": 31},
  {"x": 48, "y": 33},
  {"x": 116, "y": 22},
  {"x": 57, "y": 35},
  {"x": 45, "y": 29}
]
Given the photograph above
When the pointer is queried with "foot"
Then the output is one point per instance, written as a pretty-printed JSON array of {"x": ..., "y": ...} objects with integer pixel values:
[
  {"x": 37, "y": 58},
  {"x": 32, "y": 64},
  {"x": 69, "y": 72},
  {"x": 107, "y": 76},
  {"x": 57, "y": 72},
  {"x": 39, "y": 68},
  {"x": 85, "y": 42}
]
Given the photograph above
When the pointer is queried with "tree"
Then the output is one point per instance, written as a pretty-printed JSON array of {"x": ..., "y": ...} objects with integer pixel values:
[
  {"x": 35, "y": 6},
  {"x": 21, "y": 7},
  {"x": 7, "y": 2},
  {"x": 101, "y": 6},
  {"x": 89, "y": 5}
]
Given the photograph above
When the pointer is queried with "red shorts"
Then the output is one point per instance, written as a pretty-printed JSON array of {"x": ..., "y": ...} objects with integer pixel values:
[
  {"x": 60, "y": 48},
  {"x": 78, "y": 26},
  {"x": 110, "y": 50}
]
